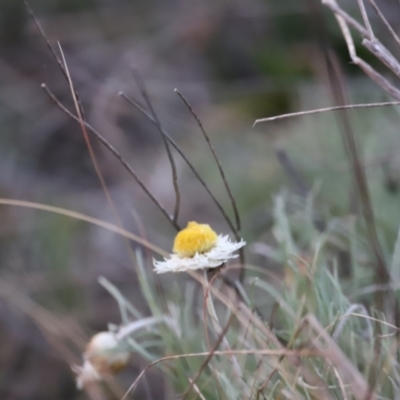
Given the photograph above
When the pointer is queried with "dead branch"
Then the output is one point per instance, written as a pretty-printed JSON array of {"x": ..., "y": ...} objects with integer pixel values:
[{"x": 370, "y": 42}]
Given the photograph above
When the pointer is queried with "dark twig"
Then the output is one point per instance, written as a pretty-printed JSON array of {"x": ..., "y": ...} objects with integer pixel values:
[
  {"x": 336, "y": 83},
  {"x": 360, "y": 180},
  {"x": 222, "y": 173},
  {"x": 359, "y": 177},
  {"x": 385, "y": 21},
  {"x": 337, "y": 90},
  {"x": 221, "y": 170},
  {"x": 135, "y": 104},
  {"x": 208, "y": 358},
  {"x": 49, "y": 46},
  {"x": 54, "y": 54},
  {"x": 92, "y": 154},
  {"x": 113, "y": 151},
  {"x": 349, "y": 20},
  {"x": 295, "y": 176},
  {"x": 288, "y": 346},
  {"x": 371, "y": 43},
  {"x": 145, "y": 94},
  {"x": 365, "y": 18}
]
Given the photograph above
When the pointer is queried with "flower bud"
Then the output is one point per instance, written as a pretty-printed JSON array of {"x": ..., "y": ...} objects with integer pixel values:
[{"x": 104, "y": 356}]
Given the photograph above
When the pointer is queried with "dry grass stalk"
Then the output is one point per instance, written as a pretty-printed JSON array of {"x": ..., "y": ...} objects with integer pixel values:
[
  {"x": 370, "y": 41},
  {"x": 349, "y": 375}
]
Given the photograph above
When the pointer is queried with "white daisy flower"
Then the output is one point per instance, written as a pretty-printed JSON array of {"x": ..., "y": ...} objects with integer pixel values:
[
  {"x": 104, "y": 356},
  {"x": 198, "y": 247}
]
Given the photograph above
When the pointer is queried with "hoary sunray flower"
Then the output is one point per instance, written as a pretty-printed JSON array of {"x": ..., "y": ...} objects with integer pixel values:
[
  {"x": 104, "y": 356},
  {"x": 198, "y": 247}
]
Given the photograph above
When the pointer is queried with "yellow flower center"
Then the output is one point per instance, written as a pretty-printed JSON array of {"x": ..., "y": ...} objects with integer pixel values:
[{"x": 195, "y": 238}]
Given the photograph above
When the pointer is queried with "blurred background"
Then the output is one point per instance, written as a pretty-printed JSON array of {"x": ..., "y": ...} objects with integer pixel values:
[{"x": 235, "y": 62}]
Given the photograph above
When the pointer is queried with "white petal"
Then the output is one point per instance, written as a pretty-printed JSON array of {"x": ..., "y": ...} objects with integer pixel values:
[
  {"x": 85, "y": 374},
  {"x": 219, "y": 254}
]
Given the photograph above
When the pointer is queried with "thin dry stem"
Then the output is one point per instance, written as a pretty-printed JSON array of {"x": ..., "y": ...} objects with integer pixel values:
[
  {"x": 268, "y": 352},
  {"x": 85, "y": 218},
  {"x": 81, "y": 119},
  {"x": 208, "y": 358},
  {"x": 294, "y": 175},
  {"x": 135, "y": 104},
  {"x": 385, "y": 21},
  {"x": 237, "y": 371},
  {"x": 281, "y": 358},
  {"x": 379, "y": 79},
  {"x": 332, "y": 5},
  {"x": 79, "y": 112},
  {"x": 146, "y": 97},
  {"x": 341, "y": 384},
  {"x": 382, "y": 54},
  {"x": 113, "y": 151},
  {"x": 59, "y": 62},
  {"x": 382, "y": 322},
  {"x": 374, "y": 75},
  {"x": 216, "y": 158},
  {"x": 348, "y": 371},
  {"x": 256, "y": 376},
  {"x": 366, "y": 19},
  {"x": 326, "y": 109},
  {"x": 370, "y": 42},
  {"x": 42, "y": 33},
  {"x": 222, "y": 173},
  {"x": 359, "y": 176},
  {"x": 360, "y": 180},
  {"x": 196, "y": 389}
]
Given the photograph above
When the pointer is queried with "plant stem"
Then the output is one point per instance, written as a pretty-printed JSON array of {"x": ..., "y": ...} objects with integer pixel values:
[{"x": 237, "y": 371}]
